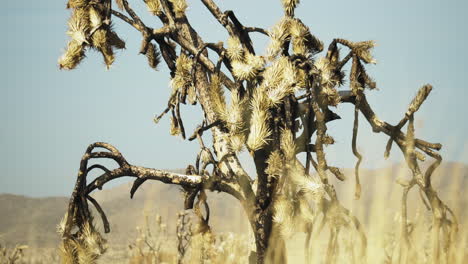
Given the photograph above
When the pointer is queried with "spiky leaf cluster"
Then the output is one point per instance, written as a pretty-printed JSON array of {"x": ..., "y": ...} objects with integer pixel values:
[
  {"x": 153, "y": 55},
  {"x": 88, "y": 27},
  {"x": 279, "y": 35},
  {"x": 179, "y": 7},
  {"x": 245, "y": 65},
  {"x": 289, "y": 6},
  {"x": 119, "y": 4},
  {"x": 363, "y": 50},
  {"x": 183, "y": 76},
  {"x": 259, "y": 127},
  {"x": 235, "y": 116},
  {"x": 154, "y": 7},
  {"x": 303, "y": 41},
  {"x": 329, "y": 79},
  {"x": 85, "y": 248},
  {"x": 279, "y": 80},
  {"x": 291, "y": 208},
  {"x": 292, "y": 31},
  {"x": 275, "y": 164}
]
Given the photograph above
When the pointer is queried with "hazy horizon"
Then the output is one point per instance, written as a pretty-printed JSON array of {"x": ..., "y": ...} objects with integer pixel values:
[{"x": 49, "y": 116}]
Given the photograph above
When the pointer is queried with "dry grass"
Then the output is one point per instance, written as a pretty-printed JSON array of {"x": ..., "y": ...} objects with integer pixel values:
[{"x": 378, "y": 210}]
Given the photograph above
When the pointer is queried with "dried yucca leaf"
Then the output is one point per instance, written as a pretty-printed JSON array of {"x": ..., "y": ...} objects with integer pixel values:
[
  {"x": 93, "y": 240},
  {"x": 237, "y": 142},
  {"x": 183, "y": 77},
  {"x": 243, "y": 71},
  {"x": 298, "y": 29},
  {"x": 205, "y": 156},
  {"x": 99, "y": 39},
  {"x": 282, "y": 210},
  {"x": 120, "y": 4},
  {"x": 272, "y": 76},
  {"x": 257, "y": 62},
  {"x": 154, "y": 7},
  {"x": 86, "y": 247},
  {"x": 283, "y": 216},
  {"x": 300, "y": 34},
  {"x": 153, "y": 55},
  {"x": 259, "y": 129},
  {"x": 417, "y": 101},
  {"x": 275, "y": 164},
  {"x": 300, "y": 48},
  {"x": 61, "y": 225},
  {"x": 337, "y": 172},
  {"x": 323, "y": 65},
  {"x": 114, "y": 40},
  {"x": 77, "y": 3},
  {"x": 192, "y": 94},
  {"x": 287, "y": 145},
  {"x": 289, "y": 71},
  {"x": 311, "y": 187},
  {"x": 184, "y": 63},
  {"x": 276, "y": 94},
  {"x": 179, "y": 81},
  {"x": 329, "y": 78},
  {"x": 73, "y": 55},
  {"x": 217, "y": 96},
  {"x": 67, "y": 253},
  {"x": 235, "y": 51},
  {"x": 301, "y": 78},
  {"x": 233, "y": 117},
  {"x": 363, "y": 50},
  {"x": 85, "y": 255},
  {"x": 108, "y": 55},
  {"x": 95, "y": 17},
  {"x": 303, "y": 41},
  {"x": 306, "y": 185},
  {"x": 179, "y": 7},
  {"x": 330, "y": 96},
  {"x": 364, "y": 79},
  {"x": 289, "y": 6},
  {"x": 78, "y": 25},
  {"x": 279, "y": 34},
  {"x": 279, "y": 79},
  {"x": 328, "y": 140},
  {"x": 305, "y": 211},
  {"x": 175, "y": 129}
]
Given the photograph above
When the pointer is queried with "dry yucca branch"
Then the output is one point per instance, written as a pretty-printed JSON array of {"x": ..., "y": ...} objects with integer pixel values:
[{"x": 269, "y": 104}]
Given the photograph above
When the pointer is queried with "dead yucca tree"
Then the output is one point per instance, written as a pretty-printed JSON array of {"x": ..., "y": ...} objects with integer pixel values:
[{"x": 278, "y": 101}]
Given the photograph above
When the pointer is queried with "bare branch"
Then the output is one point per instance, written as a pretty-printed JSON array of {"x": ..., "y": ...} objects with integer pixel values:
[
  {"x": 134, "y": 16},
  {"x": 101, "y": 213},
  {"x": 357, "y": 193},
  {"x": 126, "y": 19},
  {"x": 256, "y": 29}
]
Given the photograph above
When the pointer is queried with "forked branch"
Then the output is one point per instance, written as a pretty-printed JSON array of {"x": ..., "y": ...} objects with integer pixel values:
[{"x": 78, "y": 209}]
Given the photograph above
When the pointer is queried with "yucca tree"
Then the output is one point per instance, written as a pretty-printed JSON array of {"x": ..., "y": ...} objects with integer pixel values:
[{"x": 269, "y": 105}]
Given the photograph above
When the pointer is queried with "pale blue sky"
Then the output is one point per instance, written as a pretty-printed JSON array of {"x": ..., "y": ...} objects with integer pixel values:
[{"x": 48, "y": 117}]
